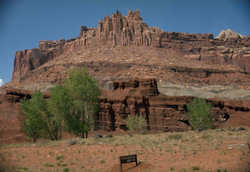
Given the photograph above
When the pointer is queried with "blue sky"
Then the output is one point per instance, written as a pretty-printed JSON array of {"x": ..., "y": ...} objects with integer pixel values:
[{"x": 24, "y": 22}]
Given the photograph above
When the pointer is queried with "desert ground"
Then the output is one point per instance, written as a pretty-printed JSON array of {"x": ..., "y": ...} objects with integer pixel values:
[{"x": 217, "y": 150}]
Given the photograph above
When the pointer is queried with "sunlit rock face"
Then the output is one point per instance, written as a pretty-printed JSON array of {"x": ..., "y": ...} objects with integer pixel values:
[
  {"x": 229, "y": 34},
  {"x": 126, "y": 47},
  {"x": 141, "y": 70}
]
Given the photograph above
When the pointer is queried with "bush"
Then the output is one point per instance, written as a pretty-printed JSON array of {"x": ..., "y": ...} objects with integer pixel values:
[
  {"x": 136, "y": 123},
  {"x": 175, "y": 137},
  {"x": 199, "y": 114}
]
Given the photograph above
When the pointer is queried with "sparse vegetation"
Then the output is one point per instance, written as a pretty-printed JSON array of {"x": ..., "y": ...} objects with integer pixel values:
[
  {"x": 195, "y": 168},
  {"x": 219, "y": 170},
  {"x": 183, "y": 147},
  {"x": 4, "y": 167},
  {"x": 136, "y": 123},
  {"x": 102, "y": 161},
  {"x": 206, "y": 137},
  {"x": 59, "y": 157},
  {"x": 171, "y": 168},
  {"x": 48, "y": 165},
  {"x": 199, "y": 114},
  {"x": 66, "y": 170},
  {"x": 175, "y": 137}
]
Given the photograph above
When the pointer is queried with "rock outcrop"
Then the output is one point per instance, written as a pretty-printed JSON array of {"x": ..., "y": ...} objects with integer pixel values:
[
  {"x": 125, "y": 98},
  {"x": 229, "y": 34},
  {"x": 166, "y": 113},
  {"x": 128, "y": 41},
  {"x": 28, "y": 60},
  {"x": 11, "y": 115},
  {"x": 115, "y": 30},
  {"x": 122, "y": 48},
  {"x": 127, "y": 30}
]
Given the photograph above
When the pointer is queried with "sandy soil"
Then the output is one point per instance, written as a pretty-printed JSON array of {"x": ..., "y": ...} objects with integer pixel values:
[{"x": 211, "y": 150}]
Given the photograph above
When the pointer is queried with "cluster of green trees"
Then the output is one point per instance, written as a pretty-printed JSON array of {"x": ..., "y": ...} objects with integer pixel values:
[{"x": 72, "y": 106}]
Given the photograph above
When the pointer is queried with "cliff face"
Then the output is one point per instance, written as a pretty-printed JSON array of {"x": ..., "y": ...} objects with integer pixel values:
[
  {"x": 130, "y": 97},
  {"x": 126, "y": 47},
  {"x": 28, "y": 60},
  {"x": 115, "y": 30},
  {"x": 127, "y": 30},
  {"x": 166, "y": 113},
  {"x": 233, "y": 51},
  {"x": 123, "y": 48}
]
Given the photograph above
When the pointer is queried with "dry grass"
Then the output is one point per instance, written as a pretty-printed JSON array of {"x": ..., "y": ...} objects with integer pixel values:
[{"x": 184, "y": 151}]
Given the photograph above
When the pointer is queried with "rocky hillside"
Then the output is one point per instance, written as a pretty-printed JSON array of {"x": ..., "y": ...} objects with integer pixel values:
[
  {"x": 142, "y": 70},
  {"x": 125, "y": 47}
]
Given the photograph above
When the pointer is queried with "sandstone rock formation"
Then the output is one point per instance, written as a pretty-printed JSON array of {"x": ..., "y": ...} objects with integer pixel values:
[
  {"x": 166, "y": 113},
  {"x": 126, "y": 47},
  {"x": 126, "y": 30},
  {"x": 122, "y": 48},
  {"x": 115, "y": 30},
  {"x": 130, "y": 97},
  {"x": 229, "y": 34},
  {"x": 11, "y": 116}
]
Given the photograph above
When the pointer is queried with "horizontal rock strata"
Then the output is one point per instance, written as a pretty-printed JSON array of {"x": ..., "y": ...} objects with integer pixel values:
[
  {"x": 167, "y": 113},
  {"x": 125, "y": 98},
  {"x": 129, "y": 40}
]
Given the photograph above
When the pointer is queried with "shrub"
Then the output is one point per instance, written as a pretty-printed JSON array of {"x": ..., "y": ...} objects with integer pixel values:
[
  {"x": 175, "y": 137},
  {"x": 199, "y": 114},
  {"x": 66, "y": 170},
  {"x": 136, "y": 123},
  {"x": 195, "y": 168}
]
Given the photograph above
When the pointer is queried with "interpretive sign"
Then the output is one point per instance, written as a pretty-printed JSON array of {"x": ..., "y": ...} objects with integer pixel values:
[{"x": 127, "y": 159}]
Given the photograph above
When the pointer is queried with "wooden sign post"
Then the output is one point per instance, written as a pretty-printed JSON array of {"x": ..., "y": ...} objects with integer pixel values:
[{"x": 128, "y": 159}]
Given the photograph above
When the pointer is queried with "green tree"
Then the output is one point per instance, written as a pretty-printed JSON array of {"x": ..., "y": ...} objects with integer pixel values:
[
  {"x": 45, "y": 118},
  {"x": 136, "y": 123},
  {"x": 199, "y": 114},
  {"x": 34, "y": 109},
  {"x": 59, "y": 108},
  {"x": 84, "y": 92}
]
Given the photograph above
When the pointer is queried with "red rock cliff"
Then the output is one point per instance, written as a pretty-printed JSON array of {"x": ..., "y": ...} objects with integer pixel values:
[
  {"x": 130, "y": 45},
  {"x": 167, "y": 113},
  {"x": 131, "y": 97}
]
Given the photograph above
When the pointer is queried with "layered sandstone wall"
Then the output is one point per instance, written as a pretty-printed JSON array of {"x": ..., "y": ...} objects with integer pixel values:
[
  {"x": 166, "y": 113},
  {"x": 235, "y": 51},
  {"x": 115, "y": 30},
  {"x": 131, "y": 31},
  {"x": 125, "y": 98}
]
